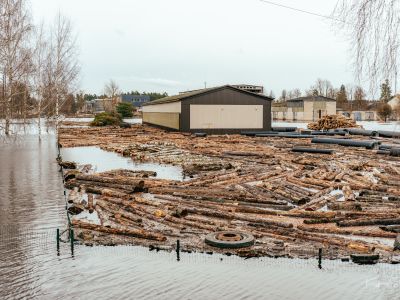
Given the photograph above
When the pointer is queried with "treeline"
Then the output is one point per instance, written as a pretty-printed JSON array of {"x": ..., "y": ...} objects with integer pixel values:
[
  {"x": 38, "y": 64},
  {"x": 152, "y": 95}
]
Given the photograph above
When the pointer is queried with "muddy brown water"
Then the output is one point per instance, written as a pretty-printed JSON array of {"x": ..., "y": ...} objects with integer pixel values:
[{"x": 32, "y": 207}]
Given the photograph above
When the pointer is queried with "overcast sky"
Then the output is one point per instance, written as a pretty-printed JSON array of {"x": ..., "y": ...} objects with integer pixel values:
[{"x": 176, "y": 45}]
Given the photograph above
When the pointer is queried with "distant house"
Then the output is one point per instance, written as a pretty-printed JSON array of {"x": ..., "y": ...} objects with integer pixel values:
[
  {"x": 135, "y": 100},
  {"x": 394, "y": 102},
  {"x": 309, "y": 108},
  {"x": 98, "y": 105},
  {"x": 359, "y": 115}
]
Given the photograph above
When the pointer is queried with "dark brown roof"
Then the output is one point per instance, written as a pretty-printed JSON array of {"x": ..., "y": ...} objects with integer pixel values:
[{"x": 184, "y": 96}]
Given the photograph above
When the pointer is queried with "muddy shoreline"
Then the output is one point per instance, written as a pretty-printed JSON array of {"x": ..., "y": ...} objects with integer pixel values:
[{"x": 292, "y": 203}]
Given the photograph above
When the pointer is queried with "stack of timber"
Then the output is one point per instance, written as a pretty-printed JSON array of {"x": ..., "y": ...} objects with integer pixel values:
[
  {"x": 293, "y": 203},
  {"x": 332, "y": 122}
]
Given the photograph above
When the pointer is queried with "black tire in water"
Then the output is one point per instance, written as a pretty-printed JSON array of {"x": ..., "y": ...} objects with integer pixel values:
[{"x": 229, "y": 239}]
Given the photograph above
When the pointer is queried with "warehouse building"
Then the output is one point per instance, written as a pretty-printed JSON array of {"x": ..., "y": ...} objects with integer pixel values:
[
  {"x": 309, "y": 108},
  {"x": 218, "y": 110},
  {"x": 135, "y": 100}
]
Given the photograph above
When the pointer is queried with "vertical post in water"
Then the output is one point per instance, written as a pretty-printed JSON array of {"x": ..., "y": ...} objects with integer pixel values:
[
  {"x": 58, "y": 242},
  {"x": 65, "y": 198},
  {"x": 320, "y": 258},
  {"x": 178, "y": 249},
  {"x": 71, "y": 235}
]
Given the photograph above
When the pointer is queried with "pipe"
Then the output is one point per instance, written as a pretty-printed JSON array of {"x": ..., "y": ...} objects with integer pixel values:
[
  {"x": 285, "y": 135},
  {"x": 363, "y": 132},
  {"x": 200, "y": 134},
  {"x": 322, "y": 133},
  {"x": 312, "y": 150},
  {"x": 254, "y": 133},
  {"x": 383, "y": 152},
  {"x": 389, "y": 134},
  {"x": 395, "y": 152},
  {"x": 347, "y": 142},
  {"x": 284, "y": 129}
]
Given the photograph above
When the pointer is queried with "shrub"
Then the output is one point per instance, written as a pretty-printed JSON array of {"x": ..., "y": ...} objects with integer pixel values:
[
  {"x": 125, "y": 109},
  {"x": 106, "y": 118},
  {"x": 384, "y": 111}
]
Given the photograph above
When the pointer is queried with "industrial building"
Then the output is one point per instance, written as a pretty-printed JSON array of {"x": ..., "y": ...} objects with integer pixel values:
[
  {"x": 258, "y": 89},
  {"x": 309, "y": 108},
  {"x": 219, "y": 110},
  {"x": 135, "y": 100},
  {"x": 96, "y": 106}
]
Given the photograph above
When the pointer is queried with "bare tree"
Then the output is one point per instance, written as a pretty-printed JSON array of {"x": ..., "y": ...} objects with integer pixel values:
[
  {"x": 63, "y": 68},
  {"x": 292, "y": 94},
  {"x": 322, "y": 87},
  {"x": 372, "y": 27},
  {"x": 111, "y": 89},
  {"x": 40, "y": 55},
  {"x": 296, "y": 93},
  {"x": 15, "y": 29},
  {"x": 350, "y": 88},
  {"x": 359, "y": 99}
]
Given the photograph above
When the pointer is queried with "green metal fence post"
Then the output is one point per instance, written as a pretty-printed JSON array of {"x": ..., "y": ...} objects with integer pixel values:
[
  {"x": 72, "y": 241},
  {"x": 320, "y": 258},
  {"x": 58, "y": 242}
]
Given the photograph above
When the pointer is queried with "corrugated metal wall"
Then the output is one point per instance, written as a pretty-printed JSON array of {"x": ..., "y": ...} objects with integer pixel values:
[{"x": 164, "y": 119}]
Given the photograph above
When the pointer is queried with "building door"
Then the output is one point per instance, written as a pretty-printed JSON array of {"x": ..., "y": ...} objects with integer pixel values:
[
  {"x": 357, "y": 116},
  {"x": 319, "y": 114}
]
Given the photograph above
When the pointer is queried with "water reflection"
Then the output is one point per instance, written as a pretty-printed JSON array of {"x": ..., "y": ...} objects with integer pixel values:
[{"x": 105, "y": 161}]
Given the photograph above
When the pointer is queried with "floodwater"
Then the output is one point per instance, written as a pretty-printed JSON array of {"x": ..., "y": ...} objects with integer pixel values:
[
  {"x": 32, "y": 206},
  {"x": 102, "y": 161}
]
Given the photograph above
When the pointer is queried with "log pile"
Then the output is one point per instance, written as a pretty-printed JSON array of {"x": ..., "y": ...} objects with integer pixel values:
[
  {"x": 332, "y": 122},
  {"x": 289, "y": 201}
]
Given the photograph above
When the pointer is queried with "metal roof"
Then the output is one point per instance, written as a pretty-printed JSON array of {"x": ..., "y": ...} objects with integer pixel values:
[
  {"x": 313, "y": 98},
  {"x": 190, "y": 94}
]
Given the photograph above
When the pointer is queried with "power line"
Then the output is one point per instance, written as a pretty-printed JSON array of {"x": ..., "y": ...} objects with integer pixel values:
[{"x": 301, "y": 10}]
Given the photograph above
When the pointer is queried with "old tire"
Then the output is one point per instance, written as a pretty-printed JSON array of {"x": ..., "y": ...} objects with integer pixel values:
[{"x": 229, "y": 239}]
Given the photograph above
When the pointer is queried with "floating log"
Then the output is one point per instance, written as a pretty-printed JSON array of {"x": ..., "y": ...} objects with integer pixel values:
[
  {"x": 67, "y": 164},
  {"x": 120, "y": 231},
  {"x": 139, "y": 184},
  {"x": 369, "y": 222}
]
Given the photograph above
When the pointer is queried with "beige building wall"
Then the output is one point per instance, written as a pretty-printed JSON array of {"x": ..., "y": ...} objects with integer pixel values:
[
  {"x": 226, "y": 116},
  {"x": 165, "y": 119},
  {"x": 394, "y": 102},
  {"x": 173, "y": 107},
  {"x": 331, "y": 108},
  {"x": 309, "y": 112}
]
